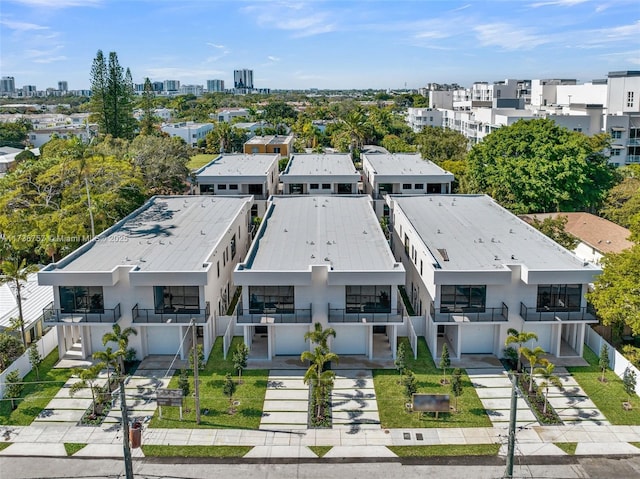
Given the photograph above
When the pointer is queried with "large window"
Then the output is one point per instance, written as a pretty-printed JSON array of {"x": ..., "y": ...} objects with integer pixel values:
[
  {"x": 368, "y": 299},
  {"x": 559, "y": 297},
  {"x": 462, "y": 298},
  {"x": 271, "y": 299},
  {"x": 87, "y": 299},
  {"x": 177, "y": 299},
  {"x": 233, "y": 247}
]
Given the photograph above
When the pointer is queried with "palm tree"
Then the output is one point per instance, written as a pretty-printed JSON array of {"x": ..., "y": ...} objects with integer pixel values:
[
  {"x": 17, "y": 273},
  {"x": 110, "y": 359},
  {"x": 320, "y": 336},
  {"x": 354, "y": 124},
  {"x": 548, "y": 379},
  {"x": 534, "y": 357},
  {"x": 316, "y": 375},
  {"x": 121, "y": 338},
  {"x": 88, "y": 379},
  {"x": 519, "y": 337}
]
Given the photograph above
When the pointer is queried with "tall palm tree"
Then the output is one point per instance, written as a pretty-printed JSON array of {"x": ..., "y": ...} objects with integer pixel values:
[
  {"x": 548, "y": 379},
  {"x": 121, "y": 338},
  {"x": 17, "y": 272},
  {"x": 519, "y": 337},
  {"x": 320, "y": 336},
  {"x": 533, "y": 356},
  {"x": 316, "y": 375},
  {"x": 354, "y": 124}
]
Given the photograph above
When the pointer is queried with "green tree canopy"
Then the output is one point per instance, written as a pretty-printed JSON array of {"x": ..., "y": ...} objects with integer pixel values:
[
  {"x": 554, "y": 228},
  {"x": 162, "y": 162},
  {"x": 622, "y": 203},
  {"x": 538, "y": 166},
  {"x": 441, "y": 144}
]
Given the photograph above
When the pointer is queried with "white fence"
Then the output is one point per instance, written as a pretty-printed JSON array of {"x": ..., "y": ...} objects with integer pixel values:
[
  {"x": 617, "y": 362},
  {"x": 413, "y": 337},
  {"x": 46, "y": 344},
  {"x": 228, "y": 337}
]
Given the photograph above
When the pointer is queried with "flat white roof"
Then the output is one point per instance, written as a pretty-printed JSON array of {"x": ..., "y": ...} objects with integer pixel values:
[
  {"x": 301, "y": 231},
  {"x": 474, "y": 233},
  {"x": 404, "y": 164},
  {"x": 238, "y": 165},
  {"x": 337, "y": 164},
  {"x": 168, "y": 233}
]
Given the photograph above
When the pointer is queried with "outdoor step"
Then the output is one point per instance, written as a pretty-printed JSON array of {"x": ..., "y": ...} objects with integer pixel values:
[
  {"x": 283, "y": 418},
  {"x": 286, "y": 383},
  {"x": 355, "y": 416},
  {"x": 354, "y": 374},
  {"x": 342, "y": 383},
  {"x": 503, "y": 403},
  {"x": 364, "y": 405},
  {"x": 503, "y": 415},
  {"x": 493, "y": 393},
  {"x": 299, "y": 406},
  {"x": 284, "y": 394},
  {"x": 490, "y": 382},
  {"x": 58, "y": 415},
  {"x": 282, "y": 427}
]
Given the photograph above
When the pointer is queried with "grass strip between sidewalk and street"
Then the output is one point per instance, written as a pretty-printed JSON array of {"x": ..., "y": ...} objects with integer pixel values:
[
  {"x": 216, "y": 410},
  {"x": 36, "y": 394},
  {"x": 608, "y": 396},
  {"x": 73, "y": 447},
  {"x": 568, "y": 447},
  {"x": 195, "y": 451},
  {"x": 320, "y": 451},
  {"x": 391, "y": 399},
  {"x": 4, "y": 445},
  {"x": 446, "y": 450}
]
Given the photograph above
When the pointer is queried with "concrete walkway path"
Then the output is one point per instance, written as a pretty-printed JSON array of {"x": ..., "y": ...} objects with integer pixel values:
[
  {"x": 286, "y": 401},
  {"x": 494, "y": 390},
  {"x": 353, "y": 401}
]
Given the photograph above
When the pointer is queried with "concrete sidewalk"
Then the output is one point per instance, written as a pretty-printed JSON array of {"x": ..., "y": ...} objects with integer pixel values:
[{"x": 106, "y": 441}]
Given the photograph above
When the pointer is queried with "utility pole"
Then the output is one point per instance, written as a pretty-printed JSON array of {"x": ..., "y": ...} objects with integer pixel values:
[
  {"x": 512, "y": 426},
  {"x": 126, "y": 446},
  {"x": 196, "y": 364}
]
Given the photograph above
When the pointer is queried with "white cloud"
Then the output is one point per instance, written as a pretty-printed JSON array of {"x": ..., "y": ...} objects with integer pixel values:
[
  {"x": 50, "y": 59},
  {"x": 215, "y": 45},
  {"x": 182, "y": 73},
  {"x": 58, "y": 3},
  {"x": 559, "y": 3},
  {"x": 21, "y": 26},
  {"x": 299, "y": 18},
  {"x": 509, "y": 37},
  {"x": 273, "y": 59}
]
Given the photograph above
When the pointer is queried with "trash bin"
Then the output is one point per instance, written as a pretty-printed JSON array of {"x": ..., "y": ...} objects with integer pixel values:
[{"x": 135, "y": 434}]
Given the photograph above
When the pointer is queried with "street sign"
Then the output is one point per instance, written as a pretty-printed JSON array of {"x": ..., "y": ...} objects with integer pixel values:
[{"x": 169, "y": 397}]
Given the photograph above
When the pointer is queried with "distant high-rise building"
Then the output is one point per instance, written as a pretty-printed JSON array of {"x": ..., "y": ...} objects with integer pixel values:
[
  {"x": 191, "y": 90},
  {"x": 158, "y": 86},
  {"x": 215, "y": 85},
  {"x": 243, "y": 79},
  {"x": 29, "y": 91},
  {"x": 63, "y": 86},
  {"x": 171, "y": 85},
  {"x": 7, "y": 85}
]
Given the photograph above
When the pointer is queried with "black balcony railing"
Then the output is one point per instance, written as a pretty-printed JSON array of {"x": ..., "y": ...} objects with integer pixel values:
[
  {"x": 543, "y": 314},
  {"x": 346, "y": 316},
  {"x": 472, "y": 315},
  {"x": 105, "y": 315},
  {"x": 162, "y": 316},
  {"x": 272, "y": 316}
]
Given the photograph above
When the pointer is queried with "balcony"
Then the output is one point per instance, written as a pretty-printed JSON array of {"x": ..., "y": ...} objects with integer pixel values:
[
  {"x": 472, "y": 315},
  {"x": 161, "y": 316},
  {"x": 275, "y": 316},
  {"x": 347, "y": 316},
  {"x": 102, "y": 316},
  {"x": 586, "y": 314}
]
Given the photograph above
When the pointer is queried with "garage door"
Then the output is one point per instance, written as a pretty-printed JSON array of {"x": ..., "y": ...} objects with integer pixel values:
[
  {"x": 163, "y": 340},
  {"x": 350, "y": 340},
  {"x": 289, "y": 340},
  {"x": 477, "y": 339}
]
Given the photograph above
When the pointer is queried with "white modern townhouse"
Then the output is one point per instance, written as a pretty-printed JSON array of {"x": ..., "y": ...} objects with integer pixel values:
[
  {"x": 165, "y": 265},
  {"x": 474, "y": 270},
  {"x": 191, "y": 132},
  {"x": 320, "y": 174},
  {"x": 240, "y": 174},
  {"x": 320, "y": 259}
]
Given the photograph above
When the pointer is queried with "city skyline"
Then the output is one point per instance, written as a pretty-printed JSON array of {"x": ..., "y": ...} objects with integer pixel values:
[{"x": 326, "y": 45}]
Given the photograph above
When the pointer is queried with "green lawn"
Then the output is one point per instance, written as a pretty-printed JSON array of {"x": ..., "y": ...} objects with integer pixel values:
[
  {"x": 608, "y": 396},
  {"x": 195, "y": 451},
  {"x": 36, "y": 394},
  {"x": 199, "y": 161},
  {"x": 391, "y": 401},
  {"x": 73, "y": 447},
  {"x": 213, "y": 403},
  {"x": 446, "y": 450},
  {"x": 320, "y": 451},
  {"x": 4, "y": 445},
  {"x": 568, "y": 447}
]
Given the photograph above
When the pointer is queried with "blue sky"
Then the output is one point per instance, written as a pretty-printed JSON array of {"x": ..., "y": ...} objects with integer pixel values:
[{"x": 320, "y": 44}]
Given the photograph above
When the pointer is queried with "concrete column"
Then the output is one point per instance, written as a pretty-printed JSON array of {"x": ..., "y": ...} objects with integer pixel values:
[
  {"x": 85, "y": 341},
  {"x": 271, "y": 332},
  {"x": 370, "y": 336},
  {"x": 62, "y": 347}
]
